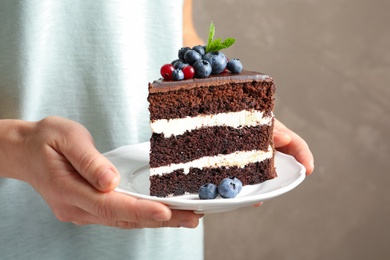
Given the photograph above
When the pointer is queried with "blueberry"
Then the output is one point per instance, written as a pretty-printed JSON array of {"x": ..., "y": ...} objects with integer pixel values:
[
  {"x": 229, "y": 187},
  {"x": 180, "y": 64},
  {"x": 234, "y": 66},
  {"x": 238, "y": 184},
  {"x": 200, "y": 49},
  {"x": 174, "y": 61},
  {"x": 217, "y": 60},
  {"x": 208, "y": 191},
  {"x": 192, "y": 56},
  {"x": 177, "y": 74},
  {"x": 202, "y": 69},
  {"x": 182, "y": 51}
]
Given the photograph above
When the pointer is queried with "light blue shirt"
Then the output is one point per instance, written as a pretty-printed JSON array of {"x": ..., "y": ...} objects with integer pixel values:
[{"x": 89, "y": 61}]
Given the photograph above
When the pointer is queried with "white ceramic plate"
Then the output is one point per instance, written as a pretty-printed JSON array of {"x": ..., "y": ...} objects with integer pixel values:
[{"x": 132, "y": 161}]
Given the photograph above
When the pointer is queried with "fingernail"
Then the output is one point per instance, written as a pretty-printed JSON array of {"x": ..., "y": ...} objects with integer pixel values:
[
  {"x": 106, "y": 178},
  {"x": 257, "y": 204},
  {"x": 160, "y": 216}
]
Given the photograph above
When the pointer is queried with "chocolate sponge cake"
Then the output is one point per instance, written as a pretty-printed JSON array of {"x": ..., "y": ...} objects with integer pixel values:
[{"x": 207, "y": 129}]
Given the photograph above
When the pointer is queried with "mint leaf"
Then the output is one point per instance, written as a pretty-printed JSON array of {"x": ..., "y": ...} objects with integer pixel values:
[
  {"x": 214, "y": 45},
  {"x": 217, "y": 45},
  {"x": 227, "y": 43},
  {"x": 211, "y": 36}
]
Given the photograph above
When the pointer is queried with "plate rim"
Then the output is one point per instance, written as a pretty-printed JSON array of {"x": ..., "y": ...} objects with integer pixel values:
[{"x": 203, "y": 206}]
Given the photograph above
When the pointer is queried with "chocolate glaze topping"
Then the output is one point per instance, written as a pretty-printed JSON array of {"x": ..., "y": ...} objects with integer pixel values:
[{"x": 162, "y": 85}]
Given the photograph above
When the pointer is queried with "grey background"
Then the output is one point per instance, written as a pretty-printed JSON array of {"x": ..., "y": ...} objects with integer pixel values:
[{"x": 331, "y": 63}]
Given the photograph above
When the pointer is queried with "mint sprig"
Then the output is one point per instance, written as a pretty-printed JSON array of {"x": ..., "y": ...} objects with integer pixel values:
[{"x": 217, "y": 44}]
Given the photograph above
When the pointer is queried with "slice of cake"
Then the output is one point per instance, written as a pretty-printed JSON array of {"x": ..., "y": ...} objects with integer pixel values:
[{"x": 207, "y": 129}]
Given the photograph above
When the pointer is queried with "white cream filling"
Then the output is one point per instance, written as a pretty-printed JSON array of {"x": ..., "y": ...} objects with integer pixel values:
[
  {"x": 239, "y": 159},
  {"x": 233, "y": 119}
]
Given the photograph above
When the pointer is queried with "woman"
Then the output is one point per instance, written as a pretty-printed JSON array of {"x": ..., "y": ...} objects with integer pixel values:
[{"x": 88, "y": 63}]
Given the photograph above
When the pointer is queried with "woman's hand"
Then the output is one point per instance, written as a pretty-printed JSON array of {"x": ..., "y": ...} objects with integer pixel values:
[
  {"x": 57, "y": 157},
  {"x": 290, "y": 143}
]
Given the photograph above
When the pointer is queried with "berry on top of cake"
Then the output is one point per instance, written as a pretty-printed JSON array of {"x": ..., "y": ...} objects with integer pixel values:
[
  {"x": 201, "y": 61},
  {"x": 210, "y": 121}
]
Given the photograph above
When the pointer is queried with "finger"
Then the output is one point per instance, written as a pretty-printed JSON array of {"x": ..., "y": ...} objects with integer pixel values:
[
  {"x": 97, "y": 170},
  {"x": 113, "y": 206},
  {"x": 88, "y": 161},
  {"x": 297, "y": 147},
  {"x": 281, "y": 138},
  {"x": 184, "y": 218},
  {"x": 88, "y": 219},
  {"x": 139, "y": 213},
  {"x": 180, "y": 218},
  {"x": 300, "y": 150},
  {"x": 142, "y": 214}
]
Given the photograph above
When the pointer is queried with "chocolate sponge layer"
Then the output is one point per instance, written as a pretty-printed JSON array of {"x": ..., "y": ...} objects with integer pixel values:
[
  {"x": 229, "y": 97},
  {"x": 209, "y": 141},
  {"x": 178, "y": 183}
]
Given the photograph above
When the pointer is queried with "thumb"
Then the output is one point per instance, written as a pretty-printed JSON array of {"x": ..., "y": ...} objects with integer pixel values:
[
  {"x": 90, "y": 163},
  {"x": 95, "y": 168},
  {"x": 281, "y": 138}
]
